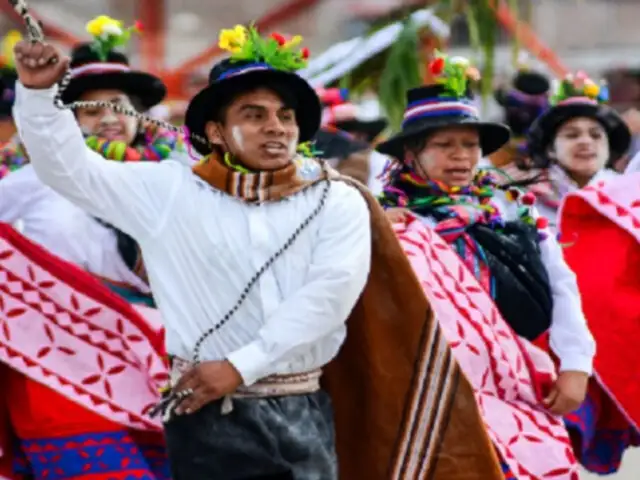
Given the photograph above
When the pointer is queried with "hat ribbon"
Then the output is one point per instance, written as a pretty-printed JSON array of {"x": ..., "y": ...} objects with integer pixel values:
[
  {"x": 437, "y": 108},
  {"x": 98, "y": 68}
]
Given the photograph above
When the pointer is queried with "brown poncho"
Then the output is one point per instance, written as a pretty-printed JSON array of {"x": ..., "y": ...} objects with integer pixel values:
[{"x": 403, "y": 408}]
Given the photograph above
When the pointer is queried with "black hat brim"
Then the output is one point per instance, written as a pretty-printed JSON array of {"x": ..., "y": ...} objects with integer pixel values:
[
  {"x": 544, "y": 129},
  {"x": 371, "y": 128},
  {"x": 211, "y": 98},
  {"x": 147, "y": 88},
  {"x": 493, "y": 136},
  {"x": 336, "y": 144}
]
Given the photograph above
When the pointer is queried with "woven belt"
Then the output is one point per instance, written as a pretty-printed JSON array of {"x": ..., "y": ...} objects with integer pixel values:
[{"x": 271, "y": 386}]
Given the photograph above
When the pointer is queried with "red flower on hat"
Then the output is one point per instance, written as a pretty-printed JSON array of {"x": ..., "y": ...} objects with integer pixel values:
[
  {"x": 138, "y": 26},
  {"x": 542, "y": 223},
  {"x": 279, "y": 38},
  {"x": 528, "y": 198},
  {"x": 305, "y": 53},
  {"x": 436, "y": 67}
]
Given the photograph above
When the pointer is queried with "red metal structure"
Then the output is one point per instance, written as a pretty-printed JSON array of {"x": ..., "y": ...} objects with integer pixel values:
[{"x": 154, "y": 16}]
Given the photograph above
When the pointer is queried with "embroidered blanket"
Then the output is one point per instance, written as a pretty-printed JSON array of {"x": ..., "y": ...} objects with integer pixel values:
[
  {"x": 508, "y": 374},
  {"x": 603, "y": 221},
  {"x": 62, "y": 328}
]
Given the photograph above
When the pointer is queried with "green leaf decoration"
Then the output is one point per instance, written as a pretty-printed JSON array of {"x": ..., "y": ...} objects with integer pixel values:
[
  {"x": 246, "y": 44},
  {"x": 403, "y": 71}
]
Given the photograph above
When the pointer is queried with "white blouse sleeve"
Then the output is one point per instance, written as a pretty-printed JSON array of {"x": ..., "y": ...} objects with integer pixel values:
[
  {"x": 18, "y": 191},
  {"x": 136, "y": 197},
  {"x": 570, "y": 339}
]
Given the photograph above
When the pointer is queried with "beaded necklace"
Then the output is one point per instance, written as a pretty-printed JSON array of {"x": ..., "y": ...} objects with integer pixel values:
[{"x": 157, "y": 145}]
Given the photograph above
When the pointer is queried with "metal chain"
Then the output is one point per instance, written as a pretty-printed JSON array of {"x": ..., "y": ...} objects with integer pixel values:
[
  {"x": 254, "y": 280},
  {"x": 35, "y": 35}
]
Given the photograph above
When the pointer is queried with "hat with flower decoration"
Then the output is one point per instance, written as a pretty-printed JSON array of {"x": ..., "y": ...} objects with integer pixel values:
[
  {"x": 98, "y": 65},
  {"x": 577, "y": 96},
  {"x": 8, "y": 74},
  {"x": 255, "y": 61},
  {"x": 446, "y": 103}
]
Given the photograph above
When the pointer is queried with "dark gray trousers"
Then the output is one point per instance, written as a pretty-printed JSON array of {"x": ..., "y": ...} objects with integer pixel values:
[{"x": 262, "y": 438}]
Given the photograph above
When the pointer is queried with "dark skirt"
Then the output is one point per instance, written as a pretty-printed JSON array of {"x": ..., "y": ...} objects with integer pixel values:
[{"x": 288, "y": 437}]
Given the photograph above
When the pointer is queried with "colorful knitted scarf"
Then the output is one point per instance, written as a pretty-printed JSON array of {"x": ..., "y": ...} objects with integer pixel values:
[
  {"x": 155, "y": 145},
  {"x": 454, "y": 208}
]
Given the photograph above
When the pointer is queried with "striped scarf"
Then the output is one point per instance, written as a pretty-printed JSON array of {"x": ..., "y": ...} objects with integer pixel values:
[{"x": 263, "y": 186}]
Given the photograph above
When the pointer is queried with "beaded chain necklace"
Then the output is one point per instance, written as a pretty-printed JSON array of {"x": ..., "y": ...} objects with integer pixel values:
[{"x": 157, "y": 145}]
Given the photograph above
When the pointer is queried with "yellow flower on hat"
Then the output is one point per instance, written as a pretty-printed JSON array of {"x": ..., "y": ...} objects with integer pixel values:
[
  {"x": 232, "y": 40},
  {"x": 104, "y": 25},
  {"x": 591, "y": 89},
  {"x": 295, "y": 41}
]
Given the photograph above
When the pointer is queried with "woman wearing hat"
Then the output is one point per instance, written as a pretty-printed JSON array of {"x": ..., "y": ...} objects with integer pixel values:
[
  {"x": 502, "y": 254},
  {"x": 575, "y": 142},
  {"x": 258, "y": 258},
  {"x": 41, "y": 417},
  {"x": 601, "y": 225}
]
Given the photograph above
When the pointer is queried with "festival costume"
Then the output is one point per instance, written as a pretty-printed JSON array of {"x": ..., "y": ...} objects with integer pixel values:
[
  {"x": 491, "y": 303},
  {"x": 604, "y": 221},
  {"x": 293, "y": 320},
  {"x": 94, "y": 432},
  {"x": 600, "y": 428}
]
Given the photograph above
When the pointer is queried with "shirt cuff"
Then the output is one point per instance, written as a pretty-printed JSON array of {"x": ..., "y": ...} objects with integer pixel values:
[
  {"x": 577, "y": 363},
  {"x": 37, "y": 101},
  {"x": 251, "y": 362}
]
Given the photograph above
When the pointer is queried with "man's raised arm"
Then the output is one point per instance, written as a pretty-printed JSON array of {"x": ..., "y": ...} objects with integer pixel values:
[{"x": 134, "y": 197}]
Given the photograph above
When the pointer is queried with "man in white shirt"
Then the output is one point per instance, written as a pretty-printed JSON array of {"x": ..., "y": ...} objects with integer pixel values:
[
  {"x": 204, "y": 240},
  {"x": 256, "y": 258}
]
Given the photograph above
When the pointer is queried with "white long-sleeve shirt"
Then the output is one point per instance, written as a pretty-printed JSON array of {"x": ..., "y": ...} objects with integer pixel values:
[
  {"x": 201, "y": 247},
  {"x": 570, "y": 337},
  {"x": 62, "y": 228}
]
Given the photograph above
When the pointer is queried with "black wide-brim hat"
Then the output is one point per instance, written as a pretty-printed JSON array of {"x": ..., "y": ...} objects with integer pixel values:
[
  {"x": 89, "y": 73},
  {"x": 230, "y": 78},
  {"x": 430, "y": 109},
  {"x": 544, "y": 129},
  {"x": 372, "y": 128}
]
